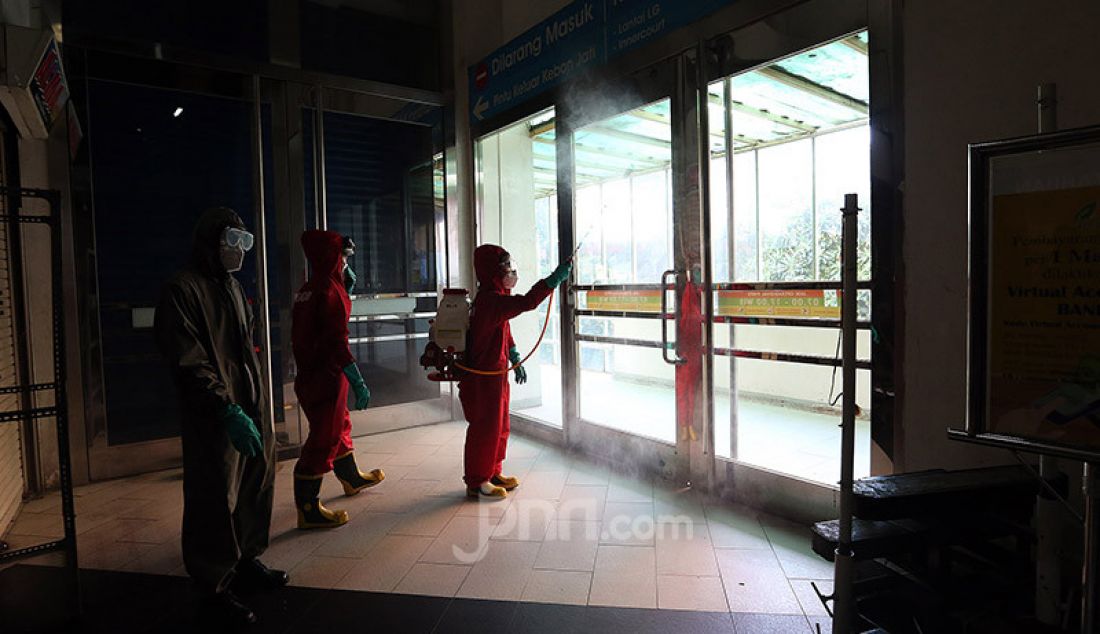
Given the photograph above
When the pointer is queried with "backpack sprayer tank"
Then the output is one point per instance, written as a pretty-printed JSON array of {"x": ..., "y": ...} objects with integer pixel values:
[{"x": 447, "y": 335}]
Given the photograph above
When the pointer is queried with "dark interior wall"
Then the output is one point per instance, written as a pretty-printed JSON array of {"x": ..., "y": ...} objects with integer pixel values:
[
  {"x": 356, "y": 43},
  {"x": 971, "y": 72},
  {"x": 153, "y": 174},
  {"x": 353, "y": 42},
  {"x": 238, "y": 28}
]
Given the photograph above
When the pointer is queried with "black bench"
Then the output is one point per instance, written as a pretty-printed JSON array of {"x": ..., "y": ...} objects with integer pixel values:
[{"x": 1008, "y": 491}]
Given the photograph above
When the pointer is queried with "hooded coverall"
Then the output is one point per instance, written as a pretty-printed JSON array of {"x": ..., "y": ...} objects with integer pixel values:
[
  {"x": 319, "y": 336},
  {"x": 485, "y": 398},
  {"x": 204, "y": 330}
]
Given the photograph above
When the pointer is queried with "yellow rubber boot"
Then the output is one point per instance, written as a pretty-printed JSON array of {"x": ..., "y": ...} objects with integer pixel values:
[
  {"x": 487, "y": 489},
  {"x": 508, "y": 483},
  {"x": 311, "y": 513},
  {"x": 352, "y": 478}
]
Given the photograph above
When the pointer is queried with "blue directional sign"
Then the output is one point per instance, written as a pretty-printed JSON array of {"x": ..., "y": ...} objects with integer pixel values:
[
  {"x": 633, "y": 23},
  {"x": 583, "y": 35},
  {"x": 566, "y": 43}
]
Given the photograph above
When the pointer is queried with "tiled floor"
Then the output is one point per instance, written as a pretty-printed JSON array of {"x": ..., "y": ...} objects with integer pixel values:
[{"x": 573, "y": 533}]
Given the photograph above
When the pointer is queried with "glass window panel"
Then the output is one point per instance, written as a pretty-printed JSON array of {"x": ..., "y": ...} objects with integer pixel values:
[
  {"x": 719, "y": 220},
  {"x": 744, "y": 217},
  {"x": 842, "y": 163},
  {"x": 589, "y": 258},
  {"x": 652, "y": 226},
  {"x": 633, "y": 391},
  {"x": 618, "y": 250},
  {"x": 623, "y": 327},
  {"x": 786, "y": 219},
  {"x": 156, "y": 175},
  {"x": 544, "y": 237},
  {"x": 383, "y": 200},
  {"x": 787, "y": 228},
  {"x": 623, "y": 220},
  {"x": 836, "y": 65}
]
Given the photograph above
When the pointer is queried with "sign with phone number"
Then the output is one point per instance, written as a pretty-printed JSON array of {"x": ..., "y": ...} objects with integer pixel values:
[{"x": 821, "y": 304}]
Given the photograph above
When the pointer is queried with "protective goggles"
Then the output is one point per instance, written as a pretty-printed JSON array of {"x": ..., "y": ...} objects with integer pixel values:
[
  {"x": 348, "y": 247},
  {"x": 238, "y": 239}
]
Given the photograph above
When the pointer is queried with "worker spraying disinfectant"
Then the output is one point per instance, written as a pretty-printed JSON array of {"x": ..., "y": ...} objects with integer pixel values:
[
  {"x": 447, "y": 335},
  {"x": 482, "y": 361}
]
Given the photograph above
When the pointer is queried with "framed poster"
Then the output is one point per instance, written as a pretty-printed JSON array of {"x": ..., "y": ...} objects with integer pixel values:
[{"x": 1034, "y": 337}]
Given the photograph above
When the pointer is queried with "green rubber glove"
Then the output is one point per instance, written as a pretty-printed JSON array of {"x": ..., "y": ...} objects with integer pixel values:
[
  {"x": 559, "y": 275},
  {"x": 358, "y": 385},
  {"x": 349, "y": 280},
  {"x": 242, "y": 431},
  {"x": 520, "y": 372}
]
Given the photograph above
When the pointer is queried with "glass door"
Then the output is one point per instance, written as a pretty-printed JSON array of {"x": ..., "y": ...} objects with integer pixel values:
[
  {"x": 788, "y": 139},
  {"x": 157, "y": 157},
  {"x": 626, "y": 383},
  {"x": 518, "y": 209},
  {"x": 623, "y": 218},
  {"x": 377, "y": 177}
]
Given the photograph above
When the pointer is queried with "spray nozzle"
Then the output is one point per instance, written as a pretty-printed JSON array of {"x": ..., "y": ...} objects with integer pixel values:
[{"x": 581, "y": 241}]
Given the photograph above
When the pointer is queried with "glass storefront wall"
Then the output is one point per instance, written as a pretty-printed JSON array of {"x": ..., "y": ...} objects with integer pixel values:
[
  {"x": 800, "y": 136},
  {"x": 380, "y": 184},
  {"x": 159, "y": 158}
]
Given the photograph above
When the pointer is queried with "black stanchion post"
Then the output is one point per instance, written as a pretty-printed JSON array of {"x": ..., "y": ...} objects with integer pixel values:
[
  {"x": 1048, "y": 569},
  {"x": 1090, "y": 568},
  {"x": 844, "y": 613}
]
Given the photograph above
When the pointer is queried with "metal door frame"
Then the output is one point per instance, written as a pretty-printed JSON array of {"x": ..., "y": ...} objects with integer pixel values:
[
  {"x": 820, "y": 21},
  {"x": 670, "y": 79}
]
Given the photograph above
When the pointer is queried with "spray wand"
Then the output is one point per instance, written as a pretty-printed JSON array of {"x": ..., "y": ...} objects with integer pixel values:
[{"x": 545, "y": 323}]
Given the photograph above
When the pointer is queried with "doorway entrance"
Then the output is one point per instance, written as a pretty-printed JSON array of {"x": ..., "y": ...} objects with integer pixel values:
[{"x": 699, "y": 336}]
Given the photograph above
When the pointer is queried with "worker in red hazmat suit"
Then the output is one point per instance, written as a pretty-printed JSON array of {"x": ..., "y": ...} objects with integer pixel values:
[
  {"x": 326, "y": 371},
  {"x": 490, "y": 348}
]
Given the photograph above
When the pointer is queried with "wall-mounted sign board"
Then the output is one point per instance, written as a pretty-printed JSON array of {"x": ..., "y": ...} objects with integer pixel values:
[
  {"x": 646, "y": 301},
  {"x": 1034, "y": 371},
  {"x": 33, "y": 88},
  {"x": 581, "y": 36},
  {"x": 823, "y": 304}
]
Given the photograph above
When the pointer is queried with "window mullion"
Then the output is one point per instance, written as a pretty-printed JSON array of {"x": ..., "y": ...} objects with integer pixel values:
[{"x": 813, "y": 205}]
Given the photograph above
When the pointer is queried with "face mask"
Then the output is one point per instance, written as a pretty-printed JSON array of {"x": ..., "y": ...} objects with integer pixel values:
[
  {"x": 232, "y": 258},
  {"x": 511, "y": 278}
]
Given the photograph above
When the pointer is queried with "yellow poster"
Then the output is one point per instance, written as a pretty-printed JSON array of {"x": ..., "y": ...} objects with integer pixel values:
[
  {"x": 822, "y": 304},
  {"x": 634, "y": 301},
  {"x": 1044, "y": 316}
]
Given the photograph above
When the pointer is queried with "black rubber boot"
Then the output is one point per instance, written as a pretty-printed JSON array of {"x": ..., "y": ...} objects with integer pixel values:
[
  {"x": 224, "y": 610},
  {"x": 253, "y": 575},
  {"x": 352, "y": 478},
  {"x": 311, "y": 513}
]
